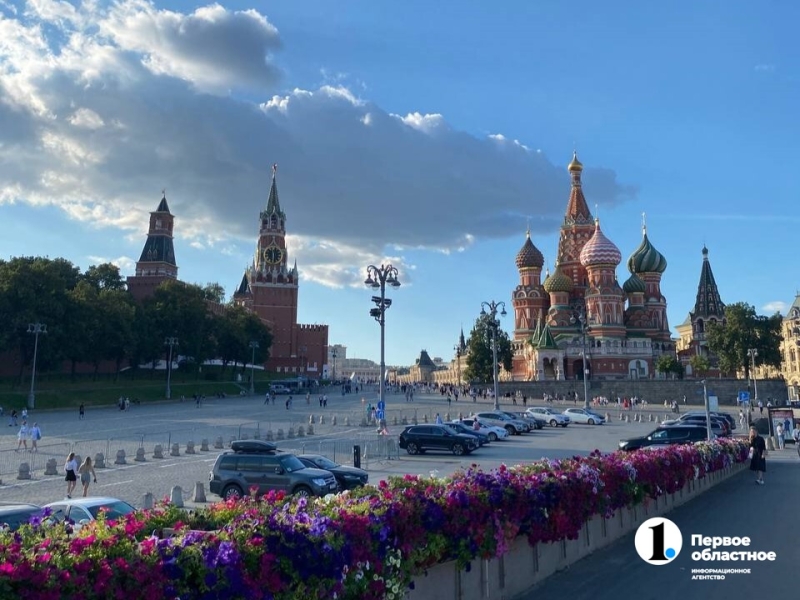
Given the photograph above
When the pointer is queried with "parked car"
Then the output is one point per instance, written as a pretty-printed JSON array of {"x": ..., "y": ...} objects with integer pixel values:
[
  {"x": 14, "y": 515},
  {"x": 718, "y": 427},
  {"x": 417, "y": 439},
  {"x": 553, "y": 417},
  {"x": 481, "y": 437},
  {"x": 259, "y": 464},
  {"x": 279, "y": 389},
  {"x": 665, "y": 436},
  {"x": 77, "y": 512},
  {"x": 500, "y": 419},
  {"x": 531, "y": 421},
  {"x": 347, "y": 477},
  {"x": 493, "y": 431},
  {"x": 715, "y": 414},
  {"x": 582, "y": 415}
]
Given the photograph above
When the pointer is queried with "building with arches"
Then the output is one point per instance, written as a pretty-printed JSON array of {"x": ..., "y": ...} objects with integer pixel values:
[{"x": 581, "y": 311}]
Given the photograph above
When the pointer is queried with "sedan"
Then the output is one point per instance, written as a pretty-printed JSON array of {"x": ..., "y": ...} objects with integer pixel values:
[
  {"x": 80, "y": 511},
  {"x": 550, "y": 415},
  {"x": 347, "y": 477},
  {"x": 493, "y": 432},
  {"x": 460, "y": 427},
  {"x": 581, "y": 415}
]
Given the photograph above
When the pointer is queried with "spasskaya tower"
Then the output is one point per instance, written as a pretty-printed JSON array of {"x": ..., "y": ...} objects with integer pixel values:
[{"x": 270, "y": 289}]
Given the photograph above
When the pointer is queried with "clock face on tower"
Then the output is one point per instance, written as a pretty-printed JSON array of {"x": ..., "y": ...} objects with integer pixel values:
[{"x": 273, "y": 255}]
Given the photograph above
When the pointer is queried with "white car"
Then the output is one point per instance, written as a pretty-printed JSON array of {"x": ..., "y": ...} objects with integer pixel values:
[
  {"x": 498, "y": 419},
  {"x": 553, "y": 417},
  {"x": 493, "y": 432},
  {"x": 80, "y": 511},
  {"x": 581, "y": 415}
]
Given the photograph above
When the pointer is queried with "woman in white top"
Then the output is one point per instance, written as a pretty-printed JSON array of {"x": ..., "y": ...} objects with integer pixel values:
[
  {"x": 71, "y": 467},
  {"x": 22, "y": 436}
]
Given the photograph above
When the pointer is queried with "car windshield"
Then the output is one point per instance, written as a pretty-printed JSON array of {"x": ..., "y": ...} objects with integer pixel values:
[
  {"x": 13, "y": 520},
  {"x": 450, "y": 430},
  {"x": 112, "y": 510},
  {"x": 291, "y": 463},
  {"x": 325, "y": 463}
]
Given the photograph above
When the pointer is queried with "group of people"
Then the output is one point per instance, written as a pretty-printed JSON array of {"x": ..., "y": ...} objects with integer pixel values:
[
  {"x": 25, "y": 433},
  {"x": 72, "y": 470}
]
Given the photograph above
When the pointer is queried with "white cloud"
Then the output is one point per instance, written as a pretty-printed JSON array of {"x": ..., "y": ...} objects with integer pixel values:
[
  {"x": 102, "y": 108},
  {"x": 765, "y": 68},
  {"x": 126, "y": 264},
  {"x": 770, "y": 308}
]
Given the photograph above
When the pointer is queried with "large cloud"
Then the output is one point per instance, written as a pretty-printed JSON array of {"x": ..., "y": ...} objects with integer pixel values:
[{"x": 101, "y": 107}]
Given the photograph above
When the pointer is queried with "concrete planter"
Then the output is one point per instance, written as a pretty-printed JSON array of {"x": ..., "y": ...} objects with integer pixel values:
[{"x": 524, "y": 565}]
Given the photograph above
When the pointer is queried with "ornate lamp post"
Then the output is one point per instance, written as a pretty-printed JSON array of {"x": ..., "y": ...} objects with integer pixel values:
[
  {"x": 379, "y": 277},
  {"x": 708, "y": 411},
  {"x": 333, "y": 356},
  {"x": 752, "y": 353},
  {"x": 495, "y": 323},
  {"x": 171, "y": 342},
  {"x": 253, "y": 345},
  {"x": 457, "y": 348},
  {"x": 579, "y": 318},
  {"x": 36, "y": 329}
]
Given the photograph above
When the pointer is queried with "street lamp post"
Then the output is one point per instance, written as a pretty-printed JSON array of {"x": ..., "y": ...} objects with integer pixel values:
[
  {"x": 579, "y": 317},
  {"x": 170, "y": 341},
  {"x": 253, "y": 345},
  {"x": 333, "y": 356},
  {"x": 379, "y": 277},
  {"x": 457, "y": 348},
  {"x": 708, "y": 410},
  {"x": 752, "y": 353},
  {"x": 36, "y": 329},
  {"x": 493, "y": 306}
]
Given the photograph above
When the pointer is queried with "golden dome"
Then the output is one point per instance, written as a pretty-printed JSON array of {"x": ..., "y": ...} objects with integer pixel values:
[{"x": 575, "y": 164}]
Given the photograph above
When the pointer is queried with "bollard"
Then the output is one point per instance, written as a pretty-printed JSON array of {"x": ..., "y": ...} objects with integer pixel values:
[
  {"x": 190, "y": 447},
  {"x": 627, "y": 419},
  {"x": 50, "y": 467},
  {"x": 24, "y": 471},
  {"x": 394, "y": 420},
  {"x": 608, "y": 417},
  {"x": 322, "y": 419},
  {"x": 147, "y": 501},
  {"x": 176, "y": 450},
  {"x": 310, "y": 430},
  {"x": 176, "y": 496},
  {"x": 650, "y": 418},
  {"x": 414, "y": 420},
  {"x": 139, "y": 455},
  {"x": 310, "y": 419},
  {"x": 158, "y": 451},
  {"x": 347, "y": 421},
  {"x": 290, "y": 433},
  {"x": 405, "y": 420},
  {"x": 425, "y": 416},
  {"x": 218, "y": 443},
  {"x": 301, "y": 431},
  {"x": 279, "y": 436},
  {"x": 621, "y": 417},
  {"x": 204, "y": 445},
  {"x": 257, "y": 434},
  {"x": 333, "y": 420},
  {"x": 269, "y": 435},
  {"x": 99, "y": 461},
  {"x": 199, "y": 492},
  {"x": 120, "y": 460}
]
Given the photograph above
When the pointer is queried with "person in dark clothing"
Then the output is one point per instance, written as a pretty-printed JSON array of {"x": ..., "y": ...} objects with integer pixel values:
[{"x": 758, "y": 455}]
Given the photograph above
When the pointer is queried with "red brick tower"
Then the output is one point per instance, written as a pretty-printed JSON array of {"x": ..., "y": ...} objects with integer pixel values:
[
  {"x": 157, "y": 261},
  {"x": 576, "y": 231},
  {"x": 529, "y": 298}
]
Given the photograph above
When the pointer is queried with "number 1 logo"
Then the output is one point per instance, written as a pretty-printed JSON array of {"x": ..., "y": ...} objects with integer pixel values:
[{"x": 658, "y": 541}]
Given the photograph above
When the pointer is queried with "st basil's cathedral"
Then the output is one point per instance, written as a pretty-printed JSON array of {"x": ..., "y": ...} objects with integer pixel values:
[{"x": 625, "y": 327}]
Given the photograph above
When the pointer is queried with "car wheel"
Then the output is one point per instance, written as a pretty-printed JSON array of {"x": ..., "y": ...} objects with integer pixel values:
[
  {"x": 232, "y": 492},
  {"x": 492, "y": 436},
  {"x": 591, "y": 421},
  {"x": 511, "y": 429},
  {"x": 302, "y": 491},
  {"x": 553, "y": 423},
  {"x": 412, "y": 448},
  {"x": 458, "y": 449}
]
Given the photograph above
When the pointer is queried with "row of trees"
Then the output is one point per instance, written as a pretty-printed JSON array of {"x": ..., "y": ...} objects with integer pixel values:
[
  {"x": 91, "y": 318},
  {"x": 743, "y": 330}
]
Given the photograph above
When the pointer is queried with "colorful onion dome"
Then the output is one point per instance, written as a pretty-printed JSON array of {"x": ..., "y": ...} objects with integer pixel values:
[
  {"x": 575, "y": 164},
  {"x": 634, "y": 285},
  {"x": 646, "y": 259},
  {"x": 600, "y": 250},
  {"x": 557, "y": 282},
  {"x": 529, "y": 255}
]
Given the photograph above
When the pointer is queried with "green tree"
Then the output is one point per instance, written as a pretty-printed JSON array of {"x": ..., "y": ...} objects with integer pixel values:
[
  {"x": 479, "y": 351},
  {"x": 668, "y": 363},
  {"x": 700, "y": 365},
  {"x": 214, "y": 292},
  {"x": 742, "y": 330},
  {"x": 105, "y": 276}
]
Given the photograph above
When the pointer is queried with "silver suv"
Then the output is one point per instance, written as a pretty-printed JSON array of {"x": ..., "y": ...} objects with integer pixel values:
[{"x": 257, "y": 464}]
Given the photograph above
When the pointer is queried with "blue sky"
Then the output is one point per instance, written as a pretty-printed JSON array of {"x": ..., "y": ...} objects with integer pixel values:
[{"x": 380, "y": 118}]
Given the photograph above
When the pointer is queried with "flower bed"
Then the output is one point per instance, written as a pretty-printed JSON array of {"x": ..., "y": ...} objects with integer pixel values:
[{"x": 368, "y": 543}]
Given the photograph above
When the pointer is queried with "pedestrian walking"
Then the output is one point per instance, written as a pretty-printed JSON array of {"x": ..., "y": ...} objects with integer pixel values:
[
  {"x": 742, "y": 420},
  {"x": 779, "y": 435},
  {"x": 22, "y": 436},
  {"x": 71, "y": 468},
  {"x": 81, "y": 412},
  {"x": 758, "y": 455},
  {"x": 796, "y": 437},
  {"x": 87, "y": 473},
  {"x": 438, "y": 420},
  {"x": 36, "y": 435},
  {"x": 12, "y": 418}
]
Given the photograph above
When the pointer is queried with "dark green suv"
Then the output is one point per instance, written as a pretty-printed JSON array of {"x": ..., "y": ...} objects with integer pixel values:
[{"x": 255, "y": 464}]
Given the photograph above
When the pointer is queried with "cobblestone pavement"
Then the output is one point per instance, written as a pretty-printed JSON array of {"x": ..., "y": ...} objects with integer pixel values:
[{"x": 109, "y": 430}]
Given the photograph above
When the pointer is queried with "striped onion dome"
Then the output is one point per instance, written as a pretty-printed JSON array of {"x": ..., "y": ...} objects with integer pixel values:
[
  {"x": 557, "y": 282},
  {"x": 634, "y": 285},
  {"x": 646, "y": 259},
  {"x": 600, "y": 250},
  {"x": 529, "y": 255}
]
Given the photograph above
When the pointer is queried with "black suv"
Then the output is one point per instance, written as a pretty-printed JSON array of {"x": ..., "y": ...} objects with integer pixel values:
[
  {"x": 258, "y": 464},
  {"x": 666, "y": 436},
  {"x": 416, "y": 439}
]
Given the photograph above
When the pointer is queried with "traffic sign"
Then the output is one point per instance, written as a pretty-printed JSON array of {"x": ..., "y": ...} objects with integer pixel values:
[
  {"x": 380, "y": 414},
  {"x": 744, "y": 396},
  {"x": 381, "y": 405}
]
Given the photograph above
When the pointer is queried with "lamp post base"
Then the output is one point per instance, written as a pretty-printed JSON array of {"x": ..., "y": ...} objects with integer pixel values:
[{"x": 31, "y": 400}]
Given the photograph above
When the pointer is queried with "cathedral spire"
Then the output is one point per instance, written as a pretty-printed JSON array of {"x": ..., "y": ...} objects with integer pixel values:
[
  {"x": 577, "y": 209},
  {"x": 273, "y": 205},
  {"x": 708, "y": 303},
  {"x": 462, "y": 343}
]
